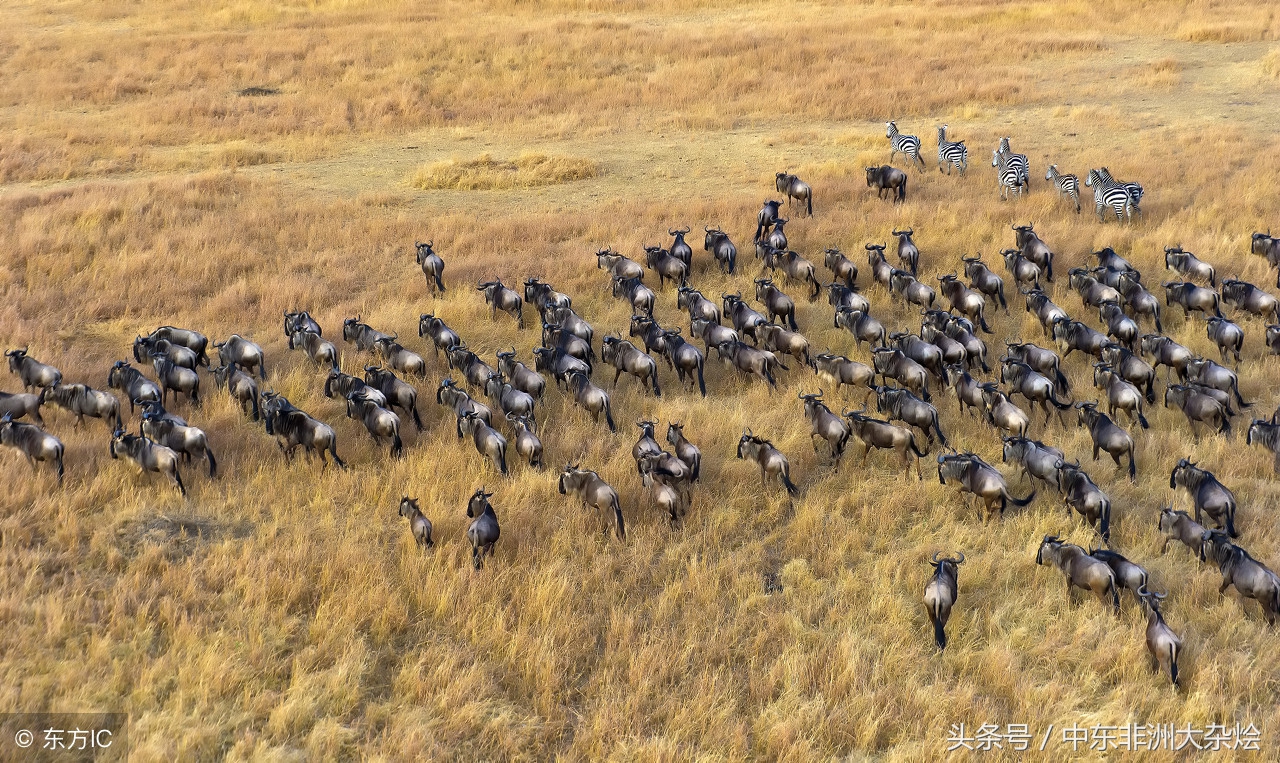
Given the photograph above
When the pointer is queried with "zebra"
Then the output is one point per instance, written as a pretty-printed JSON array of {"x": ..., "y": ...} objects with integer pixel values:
[
  {"x": 1018, "y": 161},
  {"x": 1135, "y": 190},
  {"x": 1068, "y": 184},
  {"x": 1010, "y": 178},
  {"x": 1109, "y": 193},
  {"x": 951, "y": 154},
  {"x": 909, "y": 145}
]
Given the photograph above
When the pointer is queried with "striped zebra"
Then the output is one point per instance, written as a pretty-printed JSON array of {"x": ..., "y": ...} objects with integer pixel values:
[
  {"x": 909, "y": 145},
  {"x": 951, "y": 154},
  {"x": 1135, "y": 190},
  {"x": 1018, "y": 161},
  {"x": 1110, "y": 194},
  {"x": 1068, "y": 185},
  {"x": 1011, "y": 178}
]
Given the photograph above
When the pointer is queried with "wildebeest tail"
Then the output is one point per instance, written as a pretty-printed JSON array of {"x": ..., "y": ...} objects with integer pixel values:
[
  {"x": 417, "y": 420},
  {"x": 1060, "y": 379},
  {"x": 608, "y": 418},
  {"x": 333, "y": 451},
  {"x": 213, "y": 463},
  {"x": 939, "y": 629},
  {"x": 809, "y": 202},
  {"x": 397, "y": 445},
  {"x": 702, "y": 383},
  {"x": 1173, "y": 663},
  {"x": 617, "y": 515},
  {"x": 914, "y": 448},
  {"x": 1142, "y": 421},
  {"x": 942, "y": 439},
  {"x": 788, "y": 484},
  {"x": 1020, "y": 502}
]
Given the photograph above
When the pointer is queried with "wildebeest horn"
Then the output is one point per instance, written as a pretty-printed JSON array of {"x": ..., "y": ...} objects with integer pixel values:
[
  {"x": 934, "y": 560},
  {"x": 961, "y": 559}
]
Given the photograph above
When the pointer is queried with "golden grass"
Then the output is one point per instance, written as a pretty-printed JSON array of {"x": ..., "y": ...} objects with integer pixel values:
[
  {"x": 283, "y": 612},
  {"x": 485, "y": 173},
  {"x": 1271, "y": 64}
]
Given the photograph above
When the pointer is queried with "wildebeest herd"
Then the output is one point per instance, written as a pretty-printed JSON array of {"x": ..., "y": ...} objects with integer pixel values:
[{"x": 493, "y": 403}]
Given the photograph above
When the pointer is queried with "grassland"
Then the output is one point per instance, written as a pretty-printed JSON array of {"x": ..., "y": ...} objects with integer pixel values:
[{"x": 283, "y": 613}]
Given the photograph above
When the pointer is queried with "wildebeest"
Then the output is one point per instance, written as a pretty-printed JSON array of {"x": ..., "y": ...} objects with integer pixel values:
[
  {"x": 1166, "y": 352},
  {"x": 863, "y": 327},
  {"x": 1076, "y": 335},
  {"x": 1251, "y": 577},
  {"x": 776, "y": 303},
  {"x": 880, "y": 434},
  {"x": 1120, "y": 327},
  {"x": 687, "y": 360},
  {"x": 905, "y": 285},
  {"x": 558, "y": 363},
  {"x": 1080, "y": 569},
  {"x": 567, "y": 319},
  {"x": 293, "y": 428},
  {"x": 908, "y": 253},
  {"x": 175, "y": 379},
  {"x": 973, "y": 475},
  {"x": 961, "y": 330},
  {"x": 1045, "y": 361},
  {"x": 626, "y": 358},
  {"x": 488, "y": 441},
  {"x": 1191, "y": 298},
  {"x": 318, "y": 349},
  {"x": 953, "y": 352},
  {"x": 521, "y": 376},
  {"x": 1037, "y": 388},
  {"x": 1186, "y": 264},
  {"x": 398, "y": 358},
  {"x": 32, "y": 372},
  {"x": 1001, "y": 413},
  {"x": 794, "y": 188},
  {"x": 341, "y": 385},
  {"x": 33, "y": 442},
  {"x": 1107, "y": 435},
  {"x": 841, "y": 267},
  {"x": 244, "y": 353},
  {"x": 132, "y": 383},
  {"x": 1043, "y": 308},
  {"x": 1034, "y": 458},
  {"x": 378, "y": 421},
  {"x": 528, "y": 446},
  {"x": 839, "y": 295},
  {"x": 1208, "y": 494},
  {"x": 781, "y": 341},
  {"x": 881, "y": 271},
  {"x": 901, "y": 405},
  {"x": 1266, "y": 245},
  {"x": 651, "y": 334},
  {"x": 839, "y": 370},
  {"x": 399, "y": 394},
  {"x": 1034, "y": 248},
  {"x": 1163, "y": 644},
  {"x": 886, "y": 178},
  {"x": 666, "y": 265},
  {"x": 419, "y": 525},
  {"x": 752, "y": 361},
  {"x": 431, "y": 263},
  {"x": 691, "y": 300},
  {"x": 1228, "y": 336},
  {"x": 189, "y": 441},
  {"x": 983, "y": 280},
  {"x": 925, "y": 353},
  {"x": 940, "y": 594},
  {"x": 242, "y": 387},
  {"x": 20, "y": 404},
  {"x": 825, "y": 425},
  {"x": 1128, "y": 575},
  {"x": 450, "y": 395},
  {"x": 777, "y": 237},
  {"x": 144, "y": 347},
  {"x": 1092, "y": 291},
  {"x": 1140, "y": 301},
  {"x": 1198, "y": 408},
  {"x": 295, "y": 321},
  {"x": 766, "y": 217},
  {"x": 686, "y": 451},
  {"x": 473, "y": 369},
  {"x": 1025, "y": 272},
  {"x": 483, "y": 532},
  {"x": 1210, "y": 374},
  {"x": 770, "y": 460},
  {"x": 442, "y": 337},
  {"x": 892, "y": 363},
  {"x": 967, "y": 389},
  {"x": 797, "y": 269},
  {"x": 543, "y": 297},
  {"x": 79, "y": 399},
  {"x": 646, "y": 443},
  {"x": 1273, "y": 339},
  {"x": 640, "y": 297},
  {"x": 595, "y": 493},
  {"x": 741, "y": 315},
  {"x": 1179, "y": 526},
  {"x": 618, "y": 266},
  {"x": 147, "y": 455},
  {"x": 726, "y": 254},
  {"x": 499, "y": 297},
  {"x": 591, "y": 398},
  {"x": 1079, "y": 492},
  {"x": 1243, "y": 295},
  {"x": 1120, "y": 393},
  {"x": 192, "y": 340},
  {"x": 965, "y": 301},
  {"x": 1266, "y": 434}
]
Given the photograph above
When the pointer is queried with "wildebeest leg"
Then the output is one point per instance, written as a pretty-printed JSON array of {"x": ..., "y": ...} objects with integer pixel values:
[{"x": 1095, "y": 451}]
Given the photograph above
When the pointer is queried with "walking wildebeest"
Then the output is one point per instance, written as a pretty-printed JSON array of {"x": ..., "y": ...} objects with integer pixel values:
[
  {"x": 567, "y": 319},
  {"x": 378, "y": 421},
  {"x": 618, "y": 266},
  {"x": 841, "y": 267},
  {"x": 399, "y": 394},
  {"x": 1209, "y": 374},
  {"x": 293, "y": 428},
  {"x": 969, "y": 392},
  {"x": 1128, "y": 575},
  {"x": 135, "y": 386},
  {"x": 680, "y": 249},
  {"x": 442, "y": 337},
  {"x": 82, "y": 400},
  {"x": 839, "y": 295},
  {"x": 456, "y": 399},
  {"x": 1166, "y": 352},
  {"x": 751, "y": 361},
  {"x": 1034, "y": 386},
  {"x": 398, "y": 358},
  {"x": 1035, "y": 459},
  {"x": 770, "y": 460},
  {"x": 591, "y": 398},
  {"x": 863, "y": 327},
  {"x": 908, "y": 253},
  {"x": 1131, "y": 368},
  {"x": 528, "y": 446},
  {"x": 795, "y": 188},
  {"x": 1076, "y": 335},
  {"x": 666, "y": 265},
  {"x": 489, "y": 443},
  {"x": 341, "y": 385},
  {"x": 594, "y": 493},
  {"x": 473, "y": 369},
  {"x": 940, "y": 594},
  {"x": 687, "y": 360},
  {"x": 886, "y": 178},
  {"x": 925, "y": 353},
  {"x": 34, "y": 443},
  {"x": 244, "y": 353},
  {"x": 905, "y": 285},
  {"x": 1186, "y": 264},
  {"x": 1163, "y": 644},
  {"x": 781, "y": 341},
  {"x": 558, "y": 363},
  {"x": 726, "y": 254},
  {"x": 826, "y": 425},
  {"x": 693, "y": 302},
  {"x": 521, "y": 376},
  {"x": 879, "y": 434},
  {"x": 1034, "y": 248},
  {"x": 881, "y": 271},
  {"x": 1140, "y": 301},
  {"x": 1043, "y": 308},
  {"x": 1080, "y": 570},
  {"x": 640, "y": 297},
  {"x": 984, "y": 281},
  {"x": 766, "y": 218},
  {"x": 1045, "y": 361},
  {"x": 499, "y": 297},
  {"x": 1191, "y": 298},
  {"x": 191, "y": 442},
  {"x": 776, "y": 303},
  {"x": 483, "y": 532},
  {"x": 901, "y": 405},
  {"x": 1228, "y": 336},
  {"x": 192, "y": 340},
  {"x": 626, "y": 358},
  {"x": 1092, "y": 291},
  {"x": 964, "y": 300},
  {"x": 953, "y": 352},
  {"x": 543, "y": 297},
  {"x": 147, "y": 455},
  {"x": 32, "y": 372},
  {"x": 1266, "y": 434},
  {"x": 1079, "y": 492},
  {"x": 431, "y": 263},
  {"x": 1251, "y": 577},
  {"x": 1001, "y": 413},
  {"x": 741, "y": 315},
  {"x": 976, "y": 476},
  {"x": 318, "y": 349},
  {"x": 419, "y": 525},
  {"x": 1179, "y": 526},
  {"x": 175, "y": 379},
  {"x": 1243, "y": 295},
  {"x": 295, "y": 321},
  {"x": 183, "y": 356},
  {"x": 839, "y": 370},
  {"x": 1198, "y": 408},
  {"x": 1107, "y": 436},
  {"x": 685, "y": 450},
  {"x": 19, "y": 404},
  {"x": 1025, "y": 272},
  {"x": 1120, "y": 393},
  {"x": 1120, "y": 327},
  {"x": 242, "y": 388},
  {"x": 892, "y": 363},
  {"x": 1208, "y": 494}
]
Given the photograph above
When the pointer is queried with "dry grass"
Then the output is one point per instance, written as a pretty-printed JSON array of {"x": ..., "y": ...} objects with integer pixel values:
[
  {"x": 283, "y": 612},
  {"x": 488, "y": 174}
]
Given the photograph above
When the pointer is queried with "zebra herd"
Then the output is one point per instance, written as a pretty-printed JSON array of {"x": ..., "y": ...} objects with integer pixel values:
[{"x": 1013, "y": 172}]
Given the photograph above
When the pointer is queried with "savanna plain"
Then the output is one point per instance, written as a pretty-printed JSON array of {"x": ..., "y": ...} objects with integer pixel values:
[{"x": 283, "y": 612}]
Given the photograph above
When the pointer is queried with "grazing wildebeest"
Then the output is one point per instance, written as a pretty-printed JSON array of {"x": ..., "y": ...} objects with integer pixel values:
[
  {"x": 378, "y": 421},
  {"x": 1166, "y": 352},
  {"x": 967, "y": 389},
  {"x": 1163, "y": 644},
  {"x": 892, "y": 363},
  {"x": 776, "y": 303},
  {"x": 1034, "y": 248},
  {"x": 686, "y": 451},
  {"x": 1228, "y": 336},
  {"x": 1120, "y": 393},
  {"x": 1251, "y": 578},
  {"x": 499, "y": 297},
  {"x": 901, "y": 405},
  {"x": 473, "y": 369},
  {"x": 419, "y": 525},
  {"x": 522, "y": 377},
  {"x": 983, "y": 280},
  {"x": 189, "y": 441},
  {"x": 295, "y": 321},
  {"x": 666, "y": 265},
  {"x": 1079, "y": 492},
  {"x": 905, "y": 285},
  {"x": 687, "y": 360},
  {"x": 741, "y": 315},
  {"x": 528, "y": 446},
  {"x": 680, "y": 249},
  {"x": 880, "y": 434},
  {"x": 293, "y": 428},
  {"x": 1001, "y": 413},
  {"x": 1243, "y": 295},
  {"x": 765, "y": 218},
  {"x": 1198, "y": 408},
  {"x": 1043, "y": 308},
  {"x": 1120, "y": 327},
  {"x": 940, "y": 594},
  {"x": 318, "y": 349},
  {"x": 881, "y": 271},
  {"x": 1210, "y": 374},
  {"x": 79, "y": 399},
  {"x": 839, "y": 370},
  {"x": 398, "y": 358},
  {"x": 726, "y": 254},
  {"x": 1034, "y": 458},
  {"x": 244, "y": 353},
  {"x": 1076, "y": 335},
  {"x": 925, "y": 353},
  {"x": 591, "y": 398},
  {"x": 640, "y": 297},
  {"x": 19, "y": 404},
  {"x": 1107, "y": 436},
  {"x": 192, "y": 340},
  {"x": 1139, "y": 300},
  {"x": 1186, "y": 264},
  {"x": 841, "y": 267},
  {"x": 1191, "y": 298},
  {"x": 489, "y": 443},
  {"x": 338, "y": 384},
  {"x": 399, "y": 394},
  {"x": 595, "y": 493},
  {"x": 965, "y": 301},
  {"x": 242, "y": 387},
  {"x": 450, "y": 395},
  {"x": 780, "y": 341},
  {"x": 627, "y": 358},
  {"x": 180, "y": 355},
  {"x": 973, "y": 475},
  {"x": 432, "y": 265},
  {"x": 618, "y": 266},
  {"x": 32, "y": 372},
  {"x": 1208, "y": 494},
  {"x": 794, "y": 188},
  {"x": 1080, "y": 570},
  {"x": 135, "y": 386},
  {"x": 1032, "y": 385},
  {"x": 826, "y": 425},
  {"x": 34, "y": 443},
  {"x": 863, "y": 327},
  {"x": 442, "y": 337},
  {"x": 147, "y": 455},
  {"x": 483, "y": 532},
  {"x": 1179, "y": 526},
  {"x": 886, "y": 178},
  {"x": 770, "y": 460}
]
